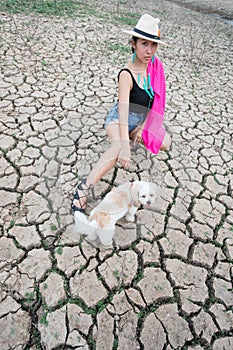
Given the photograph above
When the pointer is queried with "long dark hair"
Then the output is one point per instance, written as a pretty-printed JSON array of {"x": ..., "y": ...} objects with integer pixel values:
[{"x": 134, "y": 39}]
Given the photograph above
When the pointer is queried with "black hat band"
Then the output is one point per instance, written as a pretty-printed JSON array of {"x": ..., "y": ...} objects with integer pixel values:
[{"x": 150, "y": 36}]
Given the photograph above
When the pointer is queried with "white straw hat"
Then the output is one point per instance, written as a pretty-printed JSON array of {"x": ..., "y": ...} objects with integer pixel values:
[{"x": 147, "y": 28}]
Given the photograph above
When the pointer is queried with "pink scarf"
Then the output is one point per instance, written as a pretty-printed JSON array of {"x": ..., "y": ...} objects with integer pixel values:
[{"x": 154, "y": 132}]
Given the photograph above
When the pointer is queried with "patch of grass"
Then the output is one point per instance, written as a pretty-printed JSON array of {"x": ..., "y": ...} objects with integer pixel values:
[
  {"x": 86, "y": 10},
  {"x": 87, "y": 310},
  {"x": 119, "y": 47},
  {"x": 127, "y": 20},
  {"x": 46, "y": 7}
]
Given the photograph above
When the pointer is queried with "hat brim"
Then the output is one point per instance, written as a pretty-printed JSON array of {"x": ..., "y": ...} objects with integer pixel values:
[{"x": 133, "y": 33}]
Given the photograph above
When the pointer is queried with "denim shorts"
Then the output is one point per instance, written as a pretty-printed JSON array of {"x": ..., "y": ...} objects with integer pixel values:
[{"x": 134, "y": 119}]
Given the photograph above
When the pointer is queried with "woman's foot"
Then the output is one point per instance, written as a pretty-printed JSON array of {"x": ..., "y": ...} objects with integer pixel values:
[{"x": 79, "y": 202}]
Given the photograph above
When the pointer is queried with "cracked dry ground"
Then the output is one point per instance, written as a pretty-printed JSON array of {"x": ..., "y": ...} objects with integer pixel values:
[{"x": 167, "y": 283}]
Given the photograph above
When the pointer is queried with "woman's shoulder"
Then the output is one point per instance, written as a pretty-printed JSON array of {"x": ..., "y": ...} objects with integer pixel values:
[{"x": 124, "y": 73}]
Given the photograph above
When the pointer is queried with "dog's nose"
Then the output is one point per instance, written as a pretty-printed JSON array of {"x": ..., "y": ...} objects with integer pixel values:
[{"x": 148, "y": 202}]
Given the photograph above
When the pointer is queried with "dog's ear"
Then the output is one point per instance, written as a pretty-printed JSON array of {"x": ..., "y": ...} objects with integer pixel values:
[{"x": 135, "y": 188}]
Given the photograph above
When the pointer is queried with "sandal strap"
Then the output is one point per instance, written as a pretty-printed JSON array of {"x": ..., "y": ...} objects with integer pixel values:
[
  {"x": 74, "y": 208},
  {"x": 77, "y": 196},
  {"x": 88, "y": 187},
  {"x": 83, "y": 182}
]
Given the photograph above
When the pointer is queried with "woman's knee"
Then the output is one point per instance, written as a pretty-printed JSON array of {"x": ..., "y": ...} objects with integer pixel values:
[{"x": 166, "y": 142}]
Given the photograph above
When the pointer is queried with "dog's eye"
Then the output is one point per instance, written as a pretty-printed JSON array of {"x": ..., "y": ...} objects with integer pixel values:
[
  {"x": 151, "y": 195},
  {"x": 143, "y": 196}
]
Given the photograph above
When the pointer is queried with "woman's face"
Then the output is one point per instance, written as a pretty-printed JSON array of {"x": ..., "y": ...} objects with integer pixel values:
[{"x": 145, "y": 49}]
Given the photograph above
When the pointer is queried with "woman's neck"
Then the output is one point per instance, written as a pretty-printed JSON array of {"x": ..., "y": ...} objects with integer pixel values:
[{"x": 137, "y": 66}]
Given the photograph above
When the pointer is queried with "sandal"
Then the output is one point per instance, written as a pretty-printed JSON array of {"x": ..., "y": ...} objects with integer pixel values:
[{"x": 77, "y": 196}]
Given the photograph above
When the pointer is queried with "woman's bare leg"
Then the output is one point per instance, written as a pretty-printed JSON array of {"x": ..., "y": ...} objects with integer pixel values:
[
  {"x": 133, "y": 133},
  {"x": 109, "y": 158},
  {"x": 104, "y": 164},
  {"x": 166, "y": 142}
]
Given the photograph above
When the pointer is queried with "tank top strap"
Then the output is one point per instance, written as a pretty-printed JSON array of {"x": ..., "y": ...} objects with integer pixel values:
[{"x": 127, "y": 70}]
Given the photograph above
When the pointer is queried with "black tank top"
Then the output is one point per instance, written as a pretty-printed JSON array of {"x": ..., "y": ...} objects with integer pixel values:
[{"x": 139, "y": 100}]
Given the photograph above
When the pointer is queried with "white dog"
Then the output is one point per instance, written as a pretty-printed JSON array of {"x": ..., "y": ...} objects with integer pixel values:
[{"x": 123, "y": 200}]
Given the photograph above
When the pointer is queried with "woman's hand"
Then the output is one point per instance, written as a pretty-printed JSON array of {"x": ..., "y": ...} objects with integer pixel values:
[
  {"x": 124, "y": 156},
  {"x": 137, "y": 137}
]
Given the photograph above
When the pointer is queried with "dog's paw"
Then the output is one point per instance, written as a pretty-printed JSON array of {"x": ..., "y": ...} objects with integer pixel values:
[
  {"x": 92, "y": 236},
  {"x": 80, "y": 216},
  {"x": 106, "y": 243},
  {"x": 130, "y": 218}
]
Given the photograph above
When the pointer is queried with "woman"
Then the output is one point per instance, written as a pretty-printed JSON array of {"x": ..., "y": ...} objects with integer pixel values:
[{"x": 128, "y": 116}]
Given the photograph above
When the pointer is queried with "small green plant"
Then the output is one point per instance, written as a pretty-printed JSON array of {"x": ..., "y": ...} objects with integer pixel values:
[
  {"x": 52, "y": 226},
  {"x": 90, "y": 312},
  {"x": 29, "y": 297},
  {"x": 217, "y": 244},
  {"x": 101, "y": 305},
  {"x": 12, "y": 224},
  {"x": 115, "y": 343},
  {"x": 206, "y": 233},
  {"x": 116, "y": 274},
  {"x": 138, "y": 277},
  {"x": 158, "y": 287},
  {"x": 141, "y": 314},
  {"x": 59, "y": 250},
  {"x": 152, "y": 309},
  {"x": 43, "y": 62},
  {"x": 56, "y": 335},
  {"x": 92, "y": 342},
  {"x": 43, "y": 319}
]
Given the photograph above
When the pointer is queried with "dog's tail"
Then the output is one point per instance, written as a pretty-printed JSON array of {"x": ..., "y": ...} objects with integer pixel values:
[{"x": 84, "y": 226}]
